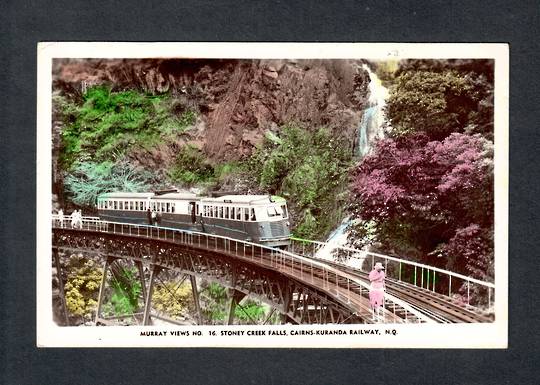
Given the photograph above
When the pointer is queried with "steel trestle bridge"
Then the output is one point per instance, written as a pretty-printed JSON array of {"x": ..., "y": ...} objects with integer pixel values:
[{"x": 301, "y": 285}]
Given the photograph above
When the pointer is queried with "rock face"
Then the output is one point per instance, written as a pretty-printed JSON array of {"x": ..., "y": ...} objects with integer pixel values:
[{"x": 237, "y": 100}]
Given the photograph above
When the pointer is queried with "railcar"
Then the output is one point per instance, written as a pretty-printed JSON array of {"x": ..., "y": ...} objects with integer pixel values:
[{"x": 261, "y": 219}]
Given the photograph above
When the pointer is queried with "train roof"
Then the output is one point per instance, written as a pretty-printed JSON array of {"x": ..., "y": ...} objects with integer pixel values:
[
  {"x": 239, "y": 199},
  {"x": 177, "y": 196},
  {"x": 151, "y": 195},
  {"x": 244, "y": 199},
  {"x": 126, "y": 195}
]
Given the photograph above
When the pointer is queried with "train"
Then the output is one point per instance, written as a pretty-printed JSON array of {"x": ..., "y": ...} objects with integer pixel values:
[{"x": 262, "y": 219}]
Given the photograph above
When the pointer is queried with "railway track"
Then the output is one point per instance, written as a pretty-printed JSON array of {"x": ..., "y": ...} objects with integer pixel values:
[
  {"x": 392, "y": 313},
  {"x": 434, "y": 305}
]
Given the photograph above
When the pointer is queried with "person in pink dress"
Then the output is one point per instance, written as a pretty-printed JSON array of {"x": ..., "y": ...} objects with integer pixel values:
[{"x": 376, "y": 289}]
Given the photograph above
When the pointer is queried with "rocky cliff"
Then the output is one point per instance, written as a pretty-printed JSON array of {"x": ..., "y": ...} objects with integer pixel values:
[{"x": 237, "y": 100}]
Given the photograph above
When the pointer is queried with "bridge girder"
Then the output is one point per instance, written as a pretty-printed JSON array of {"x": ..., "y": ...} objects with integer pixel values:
[{"x": 297, "y": 301}]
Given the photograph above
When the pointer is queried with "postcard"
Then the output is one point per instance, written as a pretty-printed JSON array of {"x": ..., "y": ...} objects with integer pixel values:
[{"x": 322, "y": 195}]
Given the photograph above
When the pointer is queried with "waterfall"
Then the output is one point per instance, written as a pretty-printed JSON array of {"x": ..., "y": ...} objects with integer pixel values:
[
  {"x": 372, "y": 125},
  {"x": 337, "y": 238}
]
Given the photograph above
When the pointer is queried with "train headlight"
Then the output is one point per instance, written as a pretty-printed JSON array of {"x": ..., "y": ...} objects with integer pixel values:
[{"x": 288, "y": 223}]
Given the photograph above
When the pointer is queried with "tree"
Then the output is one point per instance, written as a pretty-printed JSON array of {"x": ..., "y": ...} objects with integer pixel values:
[
  {"x": 425, "y": 196},
  {"x": 438, "y": 100},
  {"x": 173, "y": 299},
  {"x": 310, "y": 170},
  {"x": 82, "y": 286},
  {"x": 88, "y": 179}
]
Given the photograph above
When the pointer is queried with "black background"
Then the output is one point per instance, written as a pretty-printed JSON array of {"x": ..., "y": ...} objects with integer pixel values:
[{"x": 24, "y": 23}]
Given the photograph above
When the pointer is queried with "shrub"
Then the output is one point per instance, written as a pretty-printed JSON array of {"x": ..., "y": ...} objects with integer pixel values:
[
  {"x": 310, "y": 170},
  {"x": 440, "y": 102},
  {"x": 191, "y": 167},
  {"x": 82, "y": 286},
  {"x": 88, "y": 179},
  {"x": 108, "y": 122}
]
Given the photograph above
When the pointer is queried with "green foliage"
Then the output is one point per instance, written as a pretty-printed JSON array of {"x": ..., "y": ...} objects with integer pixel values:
[
  {"x": 88, "y": 179},
  {"x": 191, "y": 167},
  {"x": 111, "y": 122},
  {"x": 126, "y": 291},
  {"x": 440, "y": 102},
  {"x": 310, "y": 171},
  {"x": 249, "y": 311},
  {"x": 215, "y": 303},
  {"x": 82, "y": 286},
  {"x": 172, "y": 299},
  {"x": 385, "y": 70}
]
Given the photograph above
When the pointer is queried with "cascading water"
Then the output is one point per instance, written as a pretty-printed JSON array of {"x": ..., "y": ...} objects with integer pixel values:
[{"x": 372, "y": 125}]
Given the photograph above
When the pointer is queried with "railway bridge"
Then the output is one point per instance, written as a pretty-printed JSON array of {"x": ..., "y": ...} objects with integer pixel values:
[{"x": 299, "y": 285}]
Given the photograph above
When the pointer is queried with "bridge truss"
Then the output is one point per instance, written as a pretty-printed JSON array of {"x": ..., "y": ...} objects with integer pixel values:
[{"x": 301, "y": 290}]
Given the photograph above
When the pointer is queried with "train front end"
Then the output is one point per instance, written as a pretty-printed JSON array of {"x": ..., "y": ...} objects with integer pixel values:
[{"x": 273, "y": 226}]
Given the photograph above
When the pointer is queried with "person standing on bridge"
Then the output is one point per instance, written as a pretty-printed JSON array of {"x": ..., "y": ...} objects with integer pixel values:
[
  {"x": 73, "y": 218},
  {"x": 79, "y": 219},
  {"x": 376, "y": 289}
]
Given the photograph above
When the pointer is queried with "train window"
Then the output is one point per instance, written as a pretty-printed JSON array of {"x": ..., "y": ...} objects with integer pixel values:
[
  {"x": 220, "y": 211},
  {"x": 239, "y": 213},
  {"x": 126, "y": 205},
  {"x": 120, "y": 205},
  {"x": 252, "y": 216},
  {"x": 115, "y": 205},
  {"x": 197, "y": 209},
  {"x": 246, "y": 214},
  {"x": 226, "y": 213},
  {"x": 173, "y": 205},
  {"x": 168, "y": 208},
  {"x": 271, "y": 211},
  {"x": 214, "y": 212},
  {"x": 284, "y": 211}
]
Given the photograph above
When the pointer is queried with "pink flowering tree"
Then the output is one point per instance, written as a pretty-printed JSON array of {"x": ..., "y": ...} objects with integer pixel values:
[{"x": 430, "y": 200}]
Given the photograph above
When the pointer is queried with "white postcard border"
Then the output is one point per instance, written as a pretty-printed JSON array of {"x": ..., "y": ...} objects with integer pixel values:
[{"x": 486, "y": 335}]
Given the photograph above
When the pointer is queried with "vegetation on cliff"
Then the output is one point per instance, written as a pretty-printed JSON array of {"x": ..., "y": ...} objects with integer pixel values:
[
  {"x": 426, "y": 192},
  {"x": 309, "y": 169}
]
